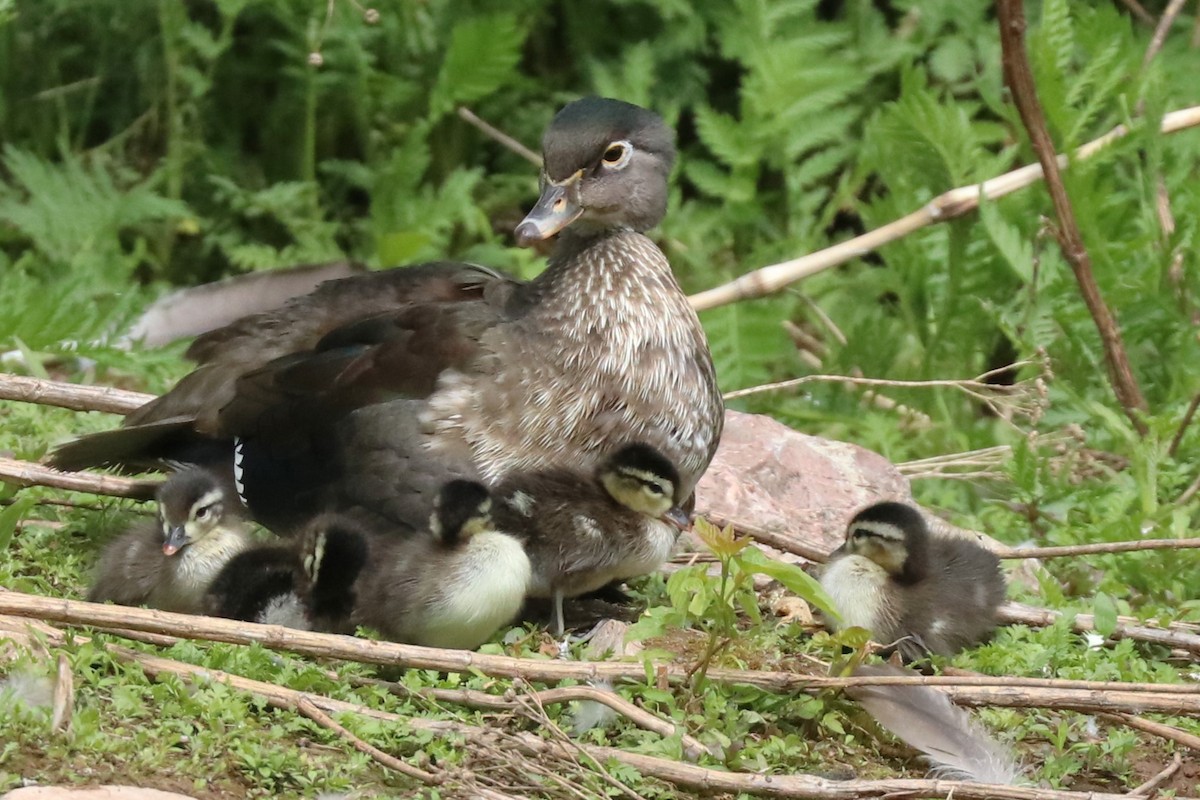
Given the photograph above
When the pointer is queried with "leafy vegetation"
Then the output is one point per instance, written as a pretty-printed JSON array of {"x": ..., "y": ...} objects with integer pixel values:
[{"x": 149, "y": 143}]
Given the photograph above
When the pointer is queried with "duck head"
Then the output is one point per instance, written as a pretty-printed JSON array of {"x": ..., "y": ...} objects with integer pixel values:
[
  {"x": 642, "y": 479},
  {"x": 605, "y": 166},
  {"x": 191, "y": 505}
]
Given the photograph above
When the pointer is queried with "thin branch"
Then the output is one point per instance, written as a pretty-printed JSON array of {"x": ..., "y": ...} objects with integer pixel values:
[
  {"x": 1019, "y": 79},
  {"x": 1008, "y": 692},
  {"x": 497, "y": 135},
  {"x": 799, "y": 787},
  {"x": 1136, "y": 8},
  {"x": 305, "y": 706},
  {"x": 1099, "y": 547},
  {"x": 1160, "y": 31},
  {"x": 1183, "y": 425},
  {"x": 1026, "y": 398},
  {"x": 693, "y": 748},
  {"x": 950, "y": 205},
  {"x": 1016, "y": 613},
  {"x": 75, "y": 396},
  {"x": 27, "y": 473},
  {"x": 1161, "y": 777},
  {"x": 1189, "y": 492},
  {"x": 1159, "y": 729}
]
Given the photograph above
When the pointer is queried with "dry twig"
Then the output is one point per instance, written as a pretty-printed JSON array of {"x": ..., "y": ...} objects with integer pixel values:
[
  {"x": 499, "y": 136},
  {"x": 1008, "y": 692},
  {"x": 1025, "y": 398},
  {"x": 1099, "y": 547},
  {"x": 1019, "y": 614},
  {"x": 950, "y": 205},
  {"x": 27, "y": 473},
  {"x": 305, "y": 706},
  {"x": 1019, "y": 79},
  {"x": 1164, "y": 775},
  {"x": 75, "y": 396},
  {"x": 798, "y": 787}
]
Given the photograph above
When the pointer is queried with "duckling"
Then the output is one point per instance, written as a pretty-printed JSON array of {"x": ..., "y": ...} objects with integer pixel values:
[
  {"x": 306, "y": 583},
  {"x": 932, "y": 594},
  {"x": 452, "y": 587},
  {"x": 584, "y": 533},
  {"x": 169, "y": 563},
  {"x": 259, "y": 585}
]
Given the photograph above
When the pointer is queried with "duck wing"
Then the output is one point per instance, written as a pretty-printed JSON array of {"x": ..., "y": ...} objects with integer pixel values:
[{"x": 342, "y": 328}]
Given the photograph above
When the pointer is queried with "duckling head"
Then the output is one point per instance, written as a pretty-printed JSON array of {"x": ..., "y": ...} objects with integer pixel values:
[
  {"x": 894, "y": 536},
  {"x": 462, "y": 510},
  {"x": 644, "y": 480},
  {"x": 605, "y": 164},
  {"x": 191, "y": 505}
]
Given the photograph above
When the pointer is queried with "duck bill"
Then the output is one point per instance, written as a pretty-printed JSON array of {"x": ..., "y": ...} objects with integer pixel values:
[
  {"x": 678, "y": 518},
  {"x": 176, "y": 539},
  {"x": 556, "y": 209}
]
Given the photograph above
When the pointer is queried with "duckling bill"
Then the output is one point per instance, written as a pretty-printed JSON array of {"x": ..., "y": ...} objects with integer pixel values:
[
  {"x": 928, "y": 593},
  {"x": 168, "y": 564}
]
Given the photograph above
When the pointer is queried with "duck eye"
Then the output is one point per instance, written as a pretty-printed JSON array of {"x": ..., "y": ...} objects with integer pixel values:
[
  {"x": 616, "y": 154},
  {"x": 654, "y": 489},
  {"x": 204, "y": 512}
]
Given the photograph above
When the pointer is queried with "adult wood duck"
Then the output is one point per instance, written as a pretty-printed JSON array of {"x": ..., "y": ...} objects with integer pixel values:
[
  {"x": 583, "y": 532},
  {"x": 366, "y": 395},
  {"x": 168, "y": 563},
  {"x": 931, "y": 594}
]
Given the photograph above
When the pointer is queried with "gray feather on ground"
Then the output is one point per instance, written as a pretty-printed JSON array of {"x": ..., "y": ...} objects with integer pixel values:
[{"x": 924, "y": 718}]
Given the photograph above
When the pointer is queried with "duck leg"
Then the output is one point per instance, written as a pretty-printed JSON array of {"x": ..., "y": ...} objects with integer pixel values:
[{"x": 559, "y": 626}]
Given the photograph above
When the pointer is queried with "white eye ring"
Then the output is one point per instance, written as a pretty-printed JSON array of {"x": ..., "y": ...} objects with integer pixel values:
[{"x": 617, "y": 154}]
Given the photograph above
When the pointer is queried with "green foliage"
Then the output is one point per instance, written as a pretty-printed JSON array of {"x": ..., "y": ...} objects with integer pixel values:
[{"x": 157, "y": 143}]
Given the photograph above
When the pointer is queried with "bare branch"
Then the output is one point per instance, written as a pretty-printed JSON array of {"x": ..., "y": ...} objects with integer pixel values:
[
  {"x": 27, "y": 473},
  {"x": 1136, "y": 8},
  {"x": 1183, "y": 425},
  {"x": 1012, "y": 692},
  {"x": 1160, "y": 30},
  {"x": 75, "y": 396},
  {"x": 950, "y": 205},
  {"x": 305, "y": 706},
  {"x": 497, "y": 135},
  {"x": 1098, "y": 547},
  {"x": 1019, "y": 79}
]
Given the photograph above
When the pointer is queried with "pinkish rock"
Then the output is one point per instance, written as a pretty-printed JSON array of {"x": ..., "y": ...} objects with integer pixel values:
[
  {"x": 790, "y": 490},
  {"x": 92, "y": 793}
]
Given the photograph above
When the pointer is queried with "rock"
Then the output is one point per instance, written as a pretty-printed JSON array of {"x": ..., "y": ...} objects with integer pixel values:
[
  {"x": 791, "y": 490},
  {"x": 92, "y": 793}
]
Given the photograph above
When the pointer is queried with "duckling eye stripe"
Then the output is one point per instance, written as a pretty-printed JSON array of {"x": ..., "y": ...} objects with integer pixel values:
[
  {"x": 883, "y": 530},
  {"x": 207, "y": 499}
]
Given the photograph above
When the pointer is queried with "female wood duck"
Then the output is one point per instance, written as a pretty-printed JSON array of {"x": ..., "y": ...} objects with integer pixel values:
[
  {"x": 932, "y": 594},
  {"x": 167, "y": 564},
  {"x": 454, "y": 585},
  {"x": 447, "y": 370},
  {"x": 583, "y": 533}
]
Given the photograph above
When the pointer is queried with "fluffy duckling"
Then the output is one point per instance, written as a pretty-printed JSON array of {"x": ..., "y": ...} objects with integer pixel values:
[
  {"x": 259, "y": 585},
  {"x": 307, "y": 583},
  {"x": 169, "y": 563},
  {"x": 931, "y": 594},
  {"x": 582, "y": 534},
  {"x": 453, "y": 586}
]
